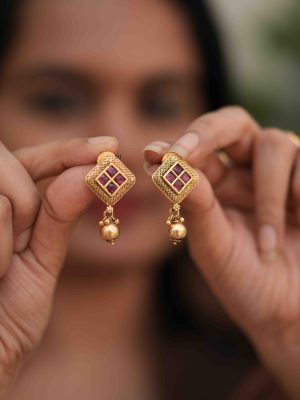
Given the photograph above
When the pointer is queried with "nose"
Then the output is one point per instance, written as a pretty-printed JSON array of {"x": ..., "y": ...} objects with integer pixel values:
[{"x": 117, "y": 118}]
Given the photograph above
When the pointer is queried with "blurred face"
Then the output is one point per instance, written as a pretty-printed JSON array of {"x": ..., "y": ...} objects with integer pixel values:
[{"x": 124, "y": 68}]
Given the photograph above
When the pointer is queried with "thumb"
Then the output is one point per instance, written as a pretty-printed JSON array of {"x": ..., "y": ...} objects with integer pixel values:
[
  {"x": 210, "y": 234},
  {"x": 64, "y": 201}
]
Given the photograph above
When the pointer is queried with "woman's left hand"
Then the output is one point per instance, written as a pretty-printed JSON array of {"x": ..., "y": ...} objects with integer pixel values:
[{"x": 243, "y": 227}]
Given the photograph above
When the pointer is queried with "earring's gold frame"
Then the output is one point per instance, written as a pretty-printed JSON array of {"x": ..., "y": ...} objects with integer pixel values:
[
  {"x": 104, "y": 160},
  {"x": 159, "y": 180}
]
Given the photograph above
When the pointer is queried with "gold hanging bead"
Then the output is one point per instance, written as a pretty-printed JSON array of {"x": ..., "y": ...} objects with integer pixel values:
[
  {"x": 110, "y": 233},
  {"x": 175, "y": 178},
  {"x": 177, "y": 232},
  {"x": 110, "y": 180},
  {"x": 109, "y": 229}
]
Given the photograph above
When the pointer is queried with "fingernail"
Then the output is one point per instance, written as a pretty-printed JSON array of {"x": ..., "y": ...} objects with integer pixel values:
[
  {"x": 186, "y": 144},
  {"x": 152, "y": 147},
  {"x": 102, "y": 140},
  {"x": 157, "y": 147},
  {"x": 267, "y": 239}
]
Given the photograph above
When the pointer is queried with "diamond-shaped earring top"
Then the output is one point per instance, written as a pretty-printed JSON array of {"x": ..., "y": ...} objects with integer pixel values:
[
  {"x": 110, "y": 180},
  {"x": 175, "y": 178}
]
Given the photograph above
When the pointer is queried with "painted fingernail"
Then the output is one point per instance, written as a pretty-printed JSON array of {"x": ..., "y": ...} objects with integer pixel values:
[
  {"x": 267, "y": 239},
  {"x": 186, "y": 144},
  {"x": 102, "y": 140}
]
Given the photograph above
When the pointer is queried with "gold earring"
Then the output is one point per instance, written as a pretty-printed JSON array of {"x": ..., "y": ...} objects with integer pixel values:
[
  {"x": 110, "y": 180},
  {"x": 175, "y": 178}
]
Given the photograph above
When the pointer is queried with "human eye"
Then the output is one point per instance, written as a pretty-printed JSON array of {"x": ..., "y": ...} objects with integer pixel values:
[
  {"x": 160, "y": 107},
  {"x": 57, "y": 103},
  {"x": 166, "y": 100}
]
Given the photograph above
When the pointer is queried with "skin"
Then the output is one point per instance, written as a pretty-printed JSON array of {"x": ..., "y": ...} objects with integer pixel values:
[
  {"x": 226, "y": 210},
  {"x": 58, "y": 83},
  {"x": 99, "y": 85},
  {"x": 236, "y": 244}
]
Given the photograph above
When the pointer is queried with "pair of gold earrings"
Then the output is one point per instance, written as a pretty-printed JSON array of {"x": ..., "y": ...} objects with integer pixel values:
[{"x": 110, "y": 180}]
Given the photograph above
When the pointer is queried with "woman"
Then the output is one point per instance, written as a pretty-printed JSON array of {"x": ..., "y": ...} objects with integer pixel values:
[{"x": 134, "y": 72}]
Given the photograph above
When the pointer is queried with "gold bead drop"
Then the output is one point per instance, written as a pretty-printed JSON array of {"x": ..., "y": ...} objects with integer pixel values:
[
  {"x": 177, "y": 231},
  {"x": 110, "y": 233}
]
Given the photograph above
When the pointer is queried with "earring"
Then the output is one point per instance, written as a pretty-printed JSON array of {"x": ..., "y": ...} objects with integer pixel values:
[
  {"x": 110, "y": 180},
  {"x": 175, "y": 178}
]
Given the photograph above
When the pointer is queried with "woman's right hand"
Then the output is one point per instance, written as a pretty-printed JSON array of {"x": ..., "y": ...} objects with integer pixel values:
[{"x": 34, "y": 237}]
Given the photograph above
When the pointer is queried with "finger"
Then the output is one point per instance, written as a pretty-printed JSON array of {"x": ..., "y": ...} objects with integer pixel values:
[
  {"x": 295, "y": 186},
  {"x": 155, "y": 151},
  {"x": 150, "y": 168},
  {"x": 236, "y": 190},
  {"x": 210, "y": 234},
  {"x": 273, "y": 161},
  {"x": 17, "y": 186},
  {"x": 216, "y": 168},
  {"x": 50, "y": 159},
  {"x": 6, "y": 228},
  {"x": 213, "y": 166},
  {"x": 230, "y": 128},
  {"x": 65, "y": 200}
]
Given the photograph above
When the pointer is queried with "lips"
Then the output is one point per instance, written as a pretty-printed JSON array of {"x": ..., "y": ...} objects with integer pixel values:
[{"x": 124, "y": 209}]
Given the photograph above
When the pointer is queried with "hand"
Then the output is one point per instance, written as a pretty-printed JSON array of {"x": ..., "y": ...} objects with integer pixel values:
[
  {"x": 34, "y": 237},
  {"x": 244, "y": 229}
]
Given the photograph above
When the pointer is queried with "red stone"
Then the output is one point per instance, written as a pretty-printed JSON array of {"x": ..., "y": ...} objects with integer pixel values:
[
  {"x": 178, "y": 185},
  {"x": 185, "y": 177},
  {"x": 170, "y": 177},
  {"x": 119, "y": 179},
  {"x": 178, "y": 169},
  {"x": 111, "y": 171},
  {"x": 111, "y": 187},
  {"x": 103, "y": 179}
]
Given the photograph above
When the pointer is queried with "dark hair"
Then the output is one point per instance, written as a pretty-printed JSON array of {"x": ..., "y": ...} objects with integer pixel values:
[
  {"x": 8, "y": 24},
  {"x": 208, "y": 41}
]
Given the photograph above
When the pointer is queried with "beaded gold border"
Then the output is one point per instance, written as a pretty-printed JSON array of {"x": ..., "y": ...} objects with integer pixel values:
[
  {"x": 163, "y": 186},
  {"x": 104, "y": 160}
]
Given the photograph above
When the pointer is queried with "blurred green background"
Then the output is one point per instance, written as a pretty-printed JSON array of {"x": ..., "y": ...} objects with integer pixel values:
[{"x": 262, "y": 41}]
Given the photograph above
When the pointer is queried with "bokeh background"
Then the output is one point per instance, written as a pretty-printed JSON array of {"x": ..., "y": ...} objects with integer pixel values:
[{"x": 261, "y": 38}]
